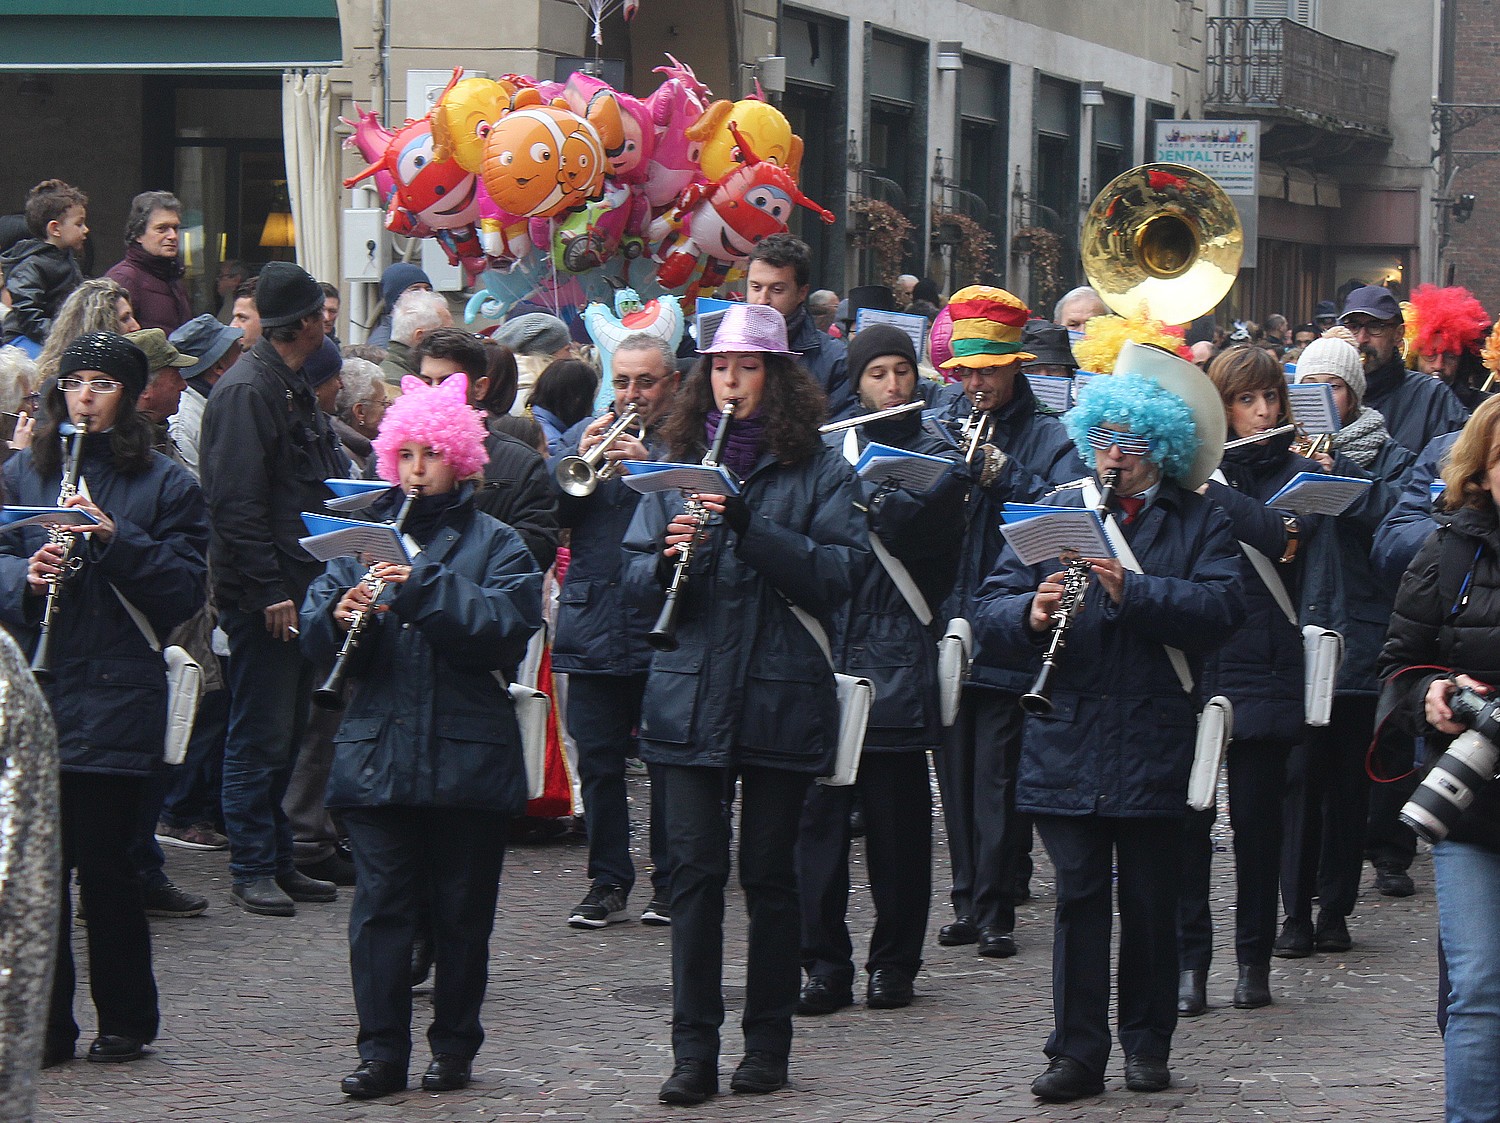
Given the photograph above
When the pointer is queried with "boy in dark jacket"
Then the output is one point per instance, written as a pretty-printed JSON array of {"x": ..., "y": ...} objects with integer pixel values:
[{"x": 42, "y": 270}]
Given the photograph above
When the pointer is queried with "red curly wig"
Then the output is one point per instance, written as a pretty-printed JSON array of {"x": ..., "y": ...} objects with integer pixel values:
[{"x": 1444, "y": 321}]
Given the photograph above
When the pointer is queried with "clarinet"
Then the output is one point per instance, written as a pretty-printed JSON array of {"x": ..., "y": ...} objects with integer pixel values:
[
  {"x": 41, "y": 658},
  {"x": 663, "y": 637},
  {"x": 1076, "y": 574},
  {"x": 330, "y": 696}
]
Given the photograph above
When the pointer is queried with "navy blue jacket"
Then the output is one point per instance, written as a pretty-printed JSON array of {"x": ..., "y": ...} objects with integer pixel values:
[
  {"x": 825, "y": 358},
  {"x": 428, "y": 724},
  {"x": 877, "y": 635},
  {"x": 1260, "y": 670},
  {"x": 109, "y": 697},
  {"x": 1041, "y": 457},
  {"x": 1119, "y": 741},
  {"x": 1410, "y": 521},
  {"x": 1416, "y": 407},
  {"x": 600, "y": 630},
  {"x": 748, "y": 684},
  {"x": 1340, "y": 588}
]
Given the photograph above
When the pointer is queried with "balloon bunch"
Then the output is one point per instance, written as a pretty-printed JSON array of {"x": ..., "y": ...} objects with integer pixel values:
[{"x": 563, "y": 193}]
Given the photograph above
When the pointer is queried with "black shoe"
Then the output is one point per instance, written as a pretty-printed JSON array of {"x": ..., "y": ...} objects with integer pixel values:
[
  {"x": 1253, "y": 990},
  {"x": 373, "y": 1079},
  {"x": 995, "y": 944},
  {"x": 1332, "y": 934},
  {"x": 758, "y": 1073},
  {"x": 168, "y": 900},
  {"x": 691, "y": 1082},
  {"x": 889, "y": 989},
  {"x": 658, "y": 913},
  {"x": 1146, "y": 1074},
  {"x": 335, "y": 869},
  {"x": 263, "y": 897},
  {"x": 299, "y": 887},
  {"x": 1192, "y": 993},
  {"x": 110, "y": 1048},
  {"x": 961, "y": 931},
  {"x": 1295, "y": 941},
  {"x": 601, "y": 906},
  {"x": 1065, "y": 1080},
  {"x": 821, "y": 995},
  {"x": 448, "y": 1072},
  {"x": 421, "y": 958},
  {"x": 1394, "y": 883}
]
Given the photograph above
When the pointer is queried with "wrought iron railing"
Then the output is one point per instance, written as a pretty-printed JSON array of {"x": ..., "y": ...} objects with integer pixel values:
[{"x": 1279, "y": 66}]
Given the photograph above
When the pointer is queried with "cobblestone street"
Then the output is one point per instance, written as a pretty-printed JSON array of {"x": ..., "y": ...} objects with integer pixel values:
[{"x": 258, "y": 1023}]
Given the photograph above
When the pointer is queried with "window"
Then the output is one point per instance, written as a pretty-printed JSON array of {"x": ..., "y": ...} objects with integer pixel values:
[{"x": 816, "y": 105}]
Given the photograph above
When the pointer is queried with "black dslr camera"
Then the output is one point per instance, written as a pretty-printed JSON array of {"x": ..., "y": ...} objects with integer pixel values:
[{"x": 1457, "y": 776}]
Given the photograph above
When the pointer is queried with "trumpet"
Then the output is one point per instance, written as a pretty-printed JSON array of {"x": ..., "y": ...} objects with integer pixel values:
[
  {"x": 1076, "y": 573},
  {"x": 330, "y": 696},
  {"x": 1313, "y": 446},
  {"x": 663, "y": 637},
  {"x": 578, "y": 476},
  {"x": 41, "y": 657}
]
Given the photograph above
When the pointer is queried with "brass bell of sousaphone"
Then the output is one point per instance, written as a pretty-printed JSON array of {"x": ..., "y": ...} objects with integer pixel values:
[{"x": 1163, "y": 239}]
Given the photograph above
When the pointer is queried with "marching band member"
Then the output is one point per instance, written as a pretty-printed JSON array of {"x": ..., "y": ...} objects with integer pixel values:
[
  {"x": 427, "y": 770},
  {"x": 1105, "y": 774},
  {"x": 601, "y": 638},
  {"x": 108, "y": 688},
  {"x": 881, "y": 636},
  {"x": 1327, "y": 787},
  {"x": 748, "y": 693},
  {"x": 1025, "y": 453},
  {"x": 1261, "y": 673}
]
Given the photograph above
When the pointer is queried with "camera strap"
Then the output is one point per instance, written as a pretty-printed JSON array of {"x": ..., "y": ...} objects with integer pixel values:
[{"x": 1455, "y": 578}]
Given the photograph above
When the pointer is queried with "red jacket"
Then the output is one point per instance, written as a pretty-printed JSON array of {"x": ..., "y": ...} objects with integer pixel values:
[{"x": 157, "y": 295}]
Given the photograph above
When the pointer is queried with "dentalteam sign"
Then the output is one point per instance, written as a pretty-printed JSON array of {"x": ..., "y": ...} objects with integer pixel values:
[{"x": 1228, "y": 152}]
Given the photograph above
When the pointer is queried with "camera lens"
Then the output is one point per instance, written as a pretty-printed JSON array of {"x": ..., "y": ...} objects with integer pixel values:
[{"x": 1449, "y": 788}]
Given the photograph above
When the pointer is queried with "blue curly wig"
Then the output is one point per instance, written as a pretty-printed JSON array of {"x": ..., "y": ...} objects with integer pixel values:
[{"x": 1150, "y": 411}]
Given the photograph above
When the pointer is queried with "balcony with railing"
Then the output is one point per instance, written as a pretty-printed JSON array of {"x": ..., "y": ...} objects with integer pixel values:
[{"x": 1282, "y": 70}]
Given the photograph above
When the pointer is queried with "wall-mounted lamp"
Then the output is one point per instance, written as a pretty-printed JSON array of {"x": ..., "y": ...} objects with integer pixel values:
[
  {"x": 771, "y": 70},
  {"x": 950, "y": 55},
  {"x": 1093, "y": 94},
  {"x": 1463, "y": 207}
]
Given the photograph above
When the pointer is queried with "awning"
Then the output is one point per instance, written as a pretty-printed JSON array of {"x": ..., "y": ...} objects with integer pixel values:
[{"x": 169, "y": 35}]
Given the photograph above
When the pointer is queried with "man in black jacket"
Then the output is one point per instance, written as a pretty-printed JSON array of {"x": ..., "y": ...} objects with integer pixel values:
[
  {"x": 266, "y": 450},
  {"x": 601, "y": 641}
]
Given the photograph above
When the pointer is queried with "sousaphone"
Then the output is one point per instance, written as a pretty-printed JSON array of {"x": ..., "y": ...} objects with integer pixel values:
[{"x": 1164, "y": 239}]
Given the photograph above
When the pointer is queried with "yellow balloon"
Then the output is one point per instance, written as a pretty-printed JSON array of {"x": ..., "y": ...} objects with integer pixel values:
[
  {"x": 768, "y": 134},
  {"x": 464, "y": 116}
]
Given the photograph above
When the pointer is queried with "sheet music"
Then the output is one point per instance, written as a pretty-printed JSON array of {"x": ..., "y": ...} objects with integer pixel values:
[
  {"x": 14, "y": 518},
  {"x": 709, "y": 311},
  {"x": 353, "y": 538},
  {"x": 1311, "y": 493},
  {"x": 916, "y": 471},
  {"x": 1313, "y": 408},
  {"x": 1054, "y": 392},
  {"x": 913, "y": 325},
  {"x": 1039, "y": 533},
  {"x": 649, "y": 476}
]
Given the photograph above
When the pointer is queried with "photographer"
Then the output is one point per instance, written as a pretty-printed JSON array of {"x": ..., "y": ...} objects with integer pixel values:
[{"x": 1445, "y": 634}]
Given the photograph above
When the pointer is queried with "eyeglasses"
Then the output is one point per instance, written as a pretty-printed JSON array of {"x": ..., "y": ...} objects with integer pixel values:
[
  {"x": 644, "y": 385},
  {"x": 1371, "y": 327},
  {"x": 94, "y": 385},
  {"x": 1101, "y": 439}
]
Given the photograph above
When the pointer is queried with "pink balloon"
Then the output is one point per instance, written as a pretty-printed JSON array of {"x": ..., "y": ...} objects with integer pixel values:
[{"x": 940, "y": 341}]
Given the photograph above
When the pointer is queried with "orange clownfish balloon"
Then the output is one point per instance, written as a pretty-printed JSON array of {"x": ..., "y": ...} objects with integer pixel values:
[{"x": 543, "y": 161}]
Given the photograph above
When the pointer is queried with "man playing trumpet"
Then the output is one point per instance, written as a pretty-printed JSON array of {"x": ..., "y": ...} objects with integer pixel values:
[
  {"x": 1105, "y": 773},
  {"x": 601, "y": 635}
]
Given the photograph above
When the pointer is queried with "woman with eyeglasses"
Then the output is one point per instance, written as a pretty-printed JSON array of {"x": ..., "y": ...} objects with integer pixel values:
[
  {"x": 108, "y": 689},
  {"x": 1260, "y": 672},
  {"x": 1328, "y": 791}
]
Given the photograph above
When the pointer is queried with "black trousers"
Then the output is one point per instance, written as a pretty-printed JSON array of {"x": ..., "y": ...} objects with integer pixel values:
[
  {"x": 698, "y": 833},
  {"x": 1257, "y": 784},
  {"x": 98, "y": 826},
  {"x": 1389, "y": 843},
  {"x": 449, "y": 858},
  {"x": 1087, "y": 851},
  {"x": 988, "y": 842},
  {"x": 1327, "y": 802},
  {"x": 898, "y": 853}
]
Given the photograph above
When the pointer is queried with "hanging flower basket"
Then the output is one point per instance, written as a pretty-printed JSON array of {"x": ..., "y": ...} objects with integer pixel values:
[
  {"x": 974, "y": 249},
  {"x": 885, "y": 232},
  {"x": 1045, "y": 250}
]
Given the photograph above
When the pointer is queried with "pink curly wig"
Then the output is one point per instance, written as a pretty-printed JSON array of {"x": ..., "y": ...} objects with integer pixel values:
[
  {"x": 1450, "y": 321},
  {"x": 438, "y": 416}
]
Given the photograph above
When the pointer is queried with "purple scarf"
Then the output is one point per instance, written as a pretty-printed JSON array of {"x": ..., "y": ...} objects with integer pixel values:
[{"x": 744, "y": 444}]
